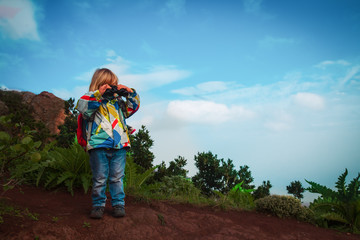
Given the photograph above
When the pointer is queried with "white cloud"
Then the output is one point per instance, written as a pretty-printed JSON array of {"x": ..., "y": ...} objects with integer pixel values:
[
  {"x": 155, "y": 77},
  {"x": 76, "y": 92},
  {"x": 350, "y": 74},
  {"x": 280, "y": 121},
  {"x": 117, "y": 64},
  {"x": 203, "y": 88},
  {"x": 17, "y": 19},
  {"x": 86, "y": 76},
  {"x": 309, "y": 100},
  {"x": 327, "y": 63},
  {"x": 111, "y": 53},
  {"x": 206, "y": 112}
]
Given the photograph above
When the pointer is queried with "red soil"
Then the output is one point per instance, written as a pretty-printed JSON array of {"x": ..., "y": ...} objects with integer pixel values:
[{"x": 61, "y": 216}]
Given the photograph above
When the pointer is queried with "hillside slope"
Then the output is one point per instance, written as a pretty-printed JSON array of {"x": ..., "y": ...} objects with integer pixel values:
[{"x": 61, "y": 216}]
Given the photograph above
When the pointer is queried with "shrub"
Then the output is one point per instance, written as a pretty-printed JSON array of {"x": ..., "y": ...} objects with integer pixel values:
[
  {"x": 283, "y": 207},
  {"x": 338, "y": 208},
  {"x": 243, "y": 200},
  {"x": 135, "y": 176},
  {"x": 64, "y": 167},
  {"x": 178, "y": 186}
]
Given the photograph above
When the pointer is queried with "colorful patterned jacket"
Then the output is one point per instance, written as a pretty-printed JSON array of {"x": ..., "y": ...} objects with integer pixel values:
[{"x": 108, "y": 128}]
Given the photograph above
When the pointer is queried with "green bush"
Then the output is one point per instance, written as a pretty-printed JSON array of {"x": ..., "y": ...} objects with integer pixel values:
[
  {"x": 20, "y": 114},
  {"x": 341, "y": 208},
  {"x": 178, "y": 186},
  {"x": 283, "y": 207},
  {"x": 243, "y": 200},
  {"x": 135, "y": 176},
  {"x": 63, "y": 167}
]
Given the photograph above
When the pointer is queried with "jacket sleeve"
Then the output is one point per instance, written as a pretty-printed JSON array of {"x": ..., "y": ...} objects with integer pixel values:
[
  {"x": 89, "y": 103},
  {"x": 132, "y": 103}
]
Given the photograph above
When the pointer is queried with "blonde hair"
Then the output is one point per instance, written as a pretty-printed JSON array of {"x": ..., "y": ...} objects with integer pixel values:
[{"x": 102, "y": 76}]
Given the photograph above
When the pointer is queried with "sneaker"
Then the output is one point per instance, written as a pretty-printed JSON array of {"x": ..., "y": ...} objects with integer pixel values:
[
  {"x": 118, "y": 211},
  {"x": 97, "y": 212}
]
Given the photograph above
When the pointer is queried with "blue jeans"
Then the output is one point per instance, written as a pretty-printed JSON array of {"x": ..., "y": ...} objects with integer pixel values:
[{"x": 107, "y": 164}]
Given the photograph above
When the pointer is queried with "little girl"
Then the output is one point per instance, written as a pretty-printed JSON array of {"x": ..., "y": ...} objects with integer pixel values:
[{"x": 108, "y": 139}]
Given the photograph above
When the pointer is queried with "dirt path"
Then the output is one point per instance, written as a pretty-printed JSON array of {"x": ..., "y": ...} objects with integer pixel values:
[{"x": 61, "y": 216}]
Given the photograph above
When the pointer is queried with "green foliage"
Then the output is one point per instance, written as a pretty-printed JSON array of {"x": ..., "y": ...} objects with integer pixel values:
[
  {"x": 262, "y": 190},
  {"x": 7, "y": 209},
  {"x": 17, "y": 150},
  {"x": 238, "y": 188},
  {"x": 242, "y": 199},
  {"x": 68, "y": 129},
  {"x": 134, "y": 178},
  {"x": 141, "y": 143},
  {"x": 245, "y": 177},
  {"x": 218, "y": 175},
  {"x": 210, "y": 174},
  {"x": 283, "y": 207},
  {"x": 21, "y": 117},
  {"x": 295, "y": 188},
  {"x": 229, "y": 175},
  {"x": 238, "y": 197},
  {"x": 86, "y": 225},
  {"x": 64, "y": 167},
  {"x": 178, "y": 186},
  {"x": 159, "y": 174},
  {"x": 338, "y": 208},
  {"x": 176, "y": 168}
]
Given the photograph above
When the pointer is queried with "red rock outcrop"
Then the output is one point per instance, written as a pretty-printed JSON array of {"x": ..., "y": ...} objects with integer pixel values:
[{"x": 48, "y": 109}]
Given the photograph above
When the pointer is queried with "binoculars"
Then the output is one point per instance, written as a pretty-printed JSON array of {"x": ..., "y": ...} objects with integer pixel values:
[{"x": 110, "y": 92}]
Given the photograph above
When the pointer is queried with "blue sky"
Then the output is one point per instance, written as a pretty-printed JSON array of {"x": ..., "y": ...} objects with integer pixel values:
[{"x": 274, "y": 85}]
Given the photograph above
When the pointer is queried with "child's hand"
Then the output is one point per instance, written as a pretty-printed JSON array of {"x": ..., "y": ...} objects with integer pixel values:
[
  {"x": 103, "y": 88},
  {"x": 120, "y": 86}
]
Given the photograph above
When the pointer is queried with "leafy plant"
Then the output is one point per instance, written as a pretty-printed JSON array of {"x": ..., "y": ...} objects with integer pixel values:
[
  {"x": 283, "y": 207},
  {"x": 21, "y": 114},
  {"x": 238, "y": 188},
  {"x": 341, "y": 206},
  {"x": 262, "y": 190},
  {"x": 67, "y": 130},
  {"x": 245, "y": 176},
  {"x": 209, "y": 176},
  {"x": 86, "y": 225},
  {"x": 55, "y": 219},
  {"x": 178, "y": 186},
  {"x": 133, "y": 178},
  {"x": 161, "y": 219},
  {"x": 15, "y": 149},
  {"x": 141, "y": 143},
  {"x": 237, "y": 197},
  {"x": 33, "y": 216},
  {"x": 6, "y": 209},
  {"x": 64, "y": 167},
  {"x": 295, "y": 188}
]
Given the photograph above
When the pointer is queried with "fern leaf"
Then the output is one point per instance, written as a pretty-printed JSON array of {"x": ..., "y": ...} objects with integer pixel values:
[
  {"x": 69, "y": 183},
  {"x": 145, "y": 175},
  {"x": 64, "y": 177},
  {"x": 86, "y": 181},
  {"x": 51, "y": 179},
  {"x": 341, "y": 184},
  {"x": 130, "y": 172},
  {"x": 335, "y": 217},
  {"x": 353, "y": 189},
  {"x": 323, "y": 190},
  {"x": 41, "y": 172}
]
